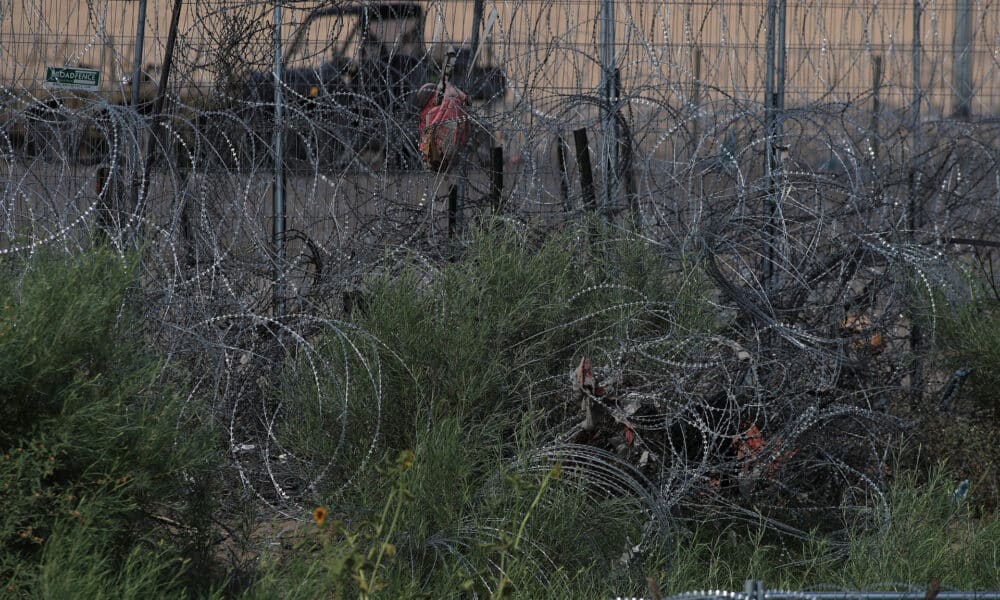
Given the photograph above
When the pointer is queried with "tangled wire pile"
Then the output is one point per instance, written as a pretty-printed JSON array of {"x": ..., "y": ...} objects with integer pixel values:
[{"x": 816, "y": 258}]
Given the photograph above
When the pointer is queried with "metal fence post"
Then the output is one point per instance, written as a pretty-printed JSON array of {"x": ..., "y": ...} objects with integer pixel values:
[
  {"x": 779, "y": 99},
  {"x": 141, "y": 188},
  {"x": 696, "y": 101},
  {"x": 769, "y": 150},
  {"x": 915, "y": 204},
  {"x": 915, "y": 210},
  {"x": 140, "y": 37},
  {"x": 876, "y": 104},
  {"x": 962, "y": 56},
  {"x": 278, "y": 198},
  {"x": 610, "y": 145},
  {"x": 776, "y": 144},
  {"x": 916, "y": 49}
]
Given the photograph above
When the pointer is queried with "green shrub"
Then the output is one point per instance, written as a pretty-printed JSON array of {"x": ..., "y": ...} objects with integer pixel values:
[
  {"x": 93, "y": 476},
  {"x": 958, "y": 425},
  {"x": 471, "y": 357},
  {"x": 969, "y": 336},
  {"x": 337, "y": 560}
]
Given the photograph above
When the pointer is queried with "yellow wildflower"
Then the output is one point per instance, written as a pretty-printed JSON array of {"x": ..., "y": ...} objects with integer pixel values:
[{"x": 406, "y": 459}]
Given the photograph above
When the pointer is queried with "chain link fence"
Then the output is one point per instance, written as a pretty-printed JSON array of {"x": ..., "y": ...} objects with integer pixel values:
[
  {"x": 817, "y": 157},
  {"x": 687, "y": 84}
]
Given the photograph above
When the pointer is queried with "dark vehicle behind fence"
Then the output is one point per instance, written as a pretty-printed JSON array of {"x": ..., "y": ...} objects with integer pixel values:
[
  {"x": 350, "y": 76},
  {"x": 359, "y": 100}
]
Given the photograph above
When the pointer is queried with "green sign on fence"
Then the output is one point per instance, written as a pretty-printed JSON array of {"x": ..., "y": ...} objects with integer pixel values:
[{"x": 71, "y": 77}]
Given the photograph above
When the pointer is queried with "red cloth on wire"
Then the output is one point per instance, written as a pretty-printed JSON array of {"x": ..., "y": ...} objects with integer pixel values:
[{"x": 443, "y": 124}]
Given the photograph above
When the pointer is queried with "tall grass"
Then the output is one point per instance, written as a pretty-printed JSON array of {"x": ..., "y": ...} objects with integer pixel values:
[
  {"x": 932, "y": 536},
  {"x": 958, "y": 424}
]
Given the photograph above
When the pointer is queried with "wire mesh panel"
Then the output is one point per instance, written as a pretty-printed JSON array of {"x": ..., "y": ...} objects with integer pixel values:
[{"x": 690, "y": 79}]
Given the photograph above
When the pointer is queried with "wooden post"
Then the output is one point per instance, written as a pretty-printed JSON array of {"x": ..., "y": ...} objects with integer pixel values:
[
  {"x": 103, "y": 188},
  {"x": 563, "y": 175},
  {"x": 452, "y": 211},
  {"x": 586, "y": 170},
  {"x": 496, "y": 178}
]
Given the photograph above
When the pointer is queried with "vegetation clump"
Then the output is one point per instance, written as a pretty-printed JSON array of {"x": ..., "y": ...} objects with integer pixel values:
[
  {"x": 105, "y": 480},
  {"x": 428, "y": 478}
]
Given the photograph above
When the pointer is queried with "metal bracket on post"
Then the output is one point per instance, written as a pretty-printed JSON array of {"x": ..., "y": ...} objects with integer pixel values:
[{"x": 753, "y": 589}]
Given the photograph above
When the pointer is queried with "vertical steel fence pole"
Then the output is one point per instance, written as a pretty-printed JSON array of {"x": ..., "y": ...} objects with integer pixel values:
[
  {"x": 917, "y": 48},
  {"x": 876, "y": 105},
  {"x": 777, "y": 142},
  {"x": 769, "y": 65},
  {"x": 109, "y": 201},
  {"x": 608, "y": 88},
  {"x": 769, "y": 150},
  {"x": 915, "y": 207},
  {"x": 141, "y": 188},
  {"x": 278, "y": 198},
  {"x": 779, "y": 99},
  {"x": 915, "y": 216},
  {"x": 962, "y": 57},
  {"x": 696, "y": 102},
  {"x": 140, "y": 37}
]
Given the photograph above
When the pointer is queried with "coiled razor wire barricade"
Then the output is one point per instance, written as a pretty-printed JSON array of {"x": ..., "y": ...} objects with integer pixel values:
[
  {"x": 791, "y": 595},
  {"x": 821, "y": 163},
  {"x": 755, "y": 590}
]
